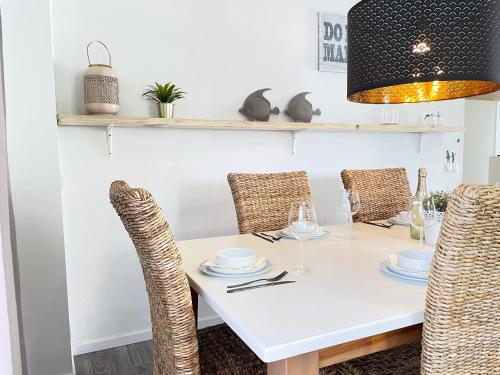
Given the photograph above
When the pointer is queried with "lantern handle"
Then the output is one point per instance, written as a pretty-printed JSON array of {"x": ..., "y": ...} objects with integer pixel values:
[{"x": 98, "y": 41}]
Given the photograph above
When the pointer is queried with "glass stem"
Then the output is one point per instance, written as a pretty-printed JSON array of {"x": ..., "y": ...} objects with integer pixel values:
[
  {"x": 301, "y": 256},
  {"x": 421, "y": 237},
  {"x": 349, "y": 227}
]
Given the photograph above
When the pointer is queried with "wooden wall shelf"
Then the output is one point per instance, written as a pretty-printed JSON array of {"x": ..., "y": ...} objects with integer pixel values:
[
  {"x": 122, "y": 121},
  {"x": 294, "y": 127}
]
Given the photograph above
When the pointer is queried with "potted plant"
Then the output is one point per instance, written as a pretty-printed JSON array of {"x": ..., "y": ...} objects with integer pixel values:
[
  {"x": 165, "y": 96},
  {"x": 441, "y": 199}
]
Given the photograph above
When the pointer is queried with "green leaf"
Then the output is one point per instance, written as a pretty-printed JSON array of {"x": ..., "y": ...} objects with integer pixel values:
[
  {"x": 441, "y": 199},
  {"x": 166, "y": 93}
]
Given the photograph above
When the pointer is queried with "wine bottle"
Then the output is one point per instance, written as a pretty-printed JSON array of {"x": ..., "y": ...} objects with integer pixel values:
[{"x": 421, "y": 193}]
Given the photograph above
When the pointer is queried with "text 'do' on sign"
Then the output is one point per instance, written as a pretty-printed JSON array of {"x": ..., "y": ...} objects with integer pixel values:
[{"x": 332, "y": 43}]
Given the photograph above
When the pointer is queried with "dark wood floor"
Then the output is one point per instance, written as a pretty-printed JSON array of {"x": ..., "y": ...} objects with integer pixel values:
[{"x": 134, "y": 359}]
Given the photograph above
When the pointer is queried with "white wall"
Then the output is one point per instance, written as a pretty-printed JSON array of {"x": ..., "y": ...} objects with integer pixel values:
[
  {"x": 219, "y": 52},
  {"x": 32, "y": 146},
  {"x": 480, "y": 133},
  {"x": 10, "y": 353},
  {"x": 10, "y": 346}
]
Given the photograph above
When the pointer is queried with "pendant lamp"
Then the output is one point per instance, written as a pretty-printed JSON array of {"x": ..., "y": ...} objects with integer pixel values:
[{"x": 410, "y": 51}]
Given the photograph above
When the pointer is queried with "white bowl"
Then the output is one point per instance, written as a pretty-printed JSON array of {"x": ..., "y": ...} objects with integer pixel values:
[
  {"x": 235, "y": 257},
  {"x": 404, "y": 216},
  {"x": 418, "y": 260}
]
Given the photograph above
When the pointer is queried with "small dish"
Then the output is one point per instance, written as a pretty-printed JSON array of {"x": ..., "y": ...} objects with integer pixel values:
[
  {"x": 319, "y": 234},
  {"x": 417, "y": 260},
  {"x": 236, "y": 257},
  {"x": 257, "y": 266}
]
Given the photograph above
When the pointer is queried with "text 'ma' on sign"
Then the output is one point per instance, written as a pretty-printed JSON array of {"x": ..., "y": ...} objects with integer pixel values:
[{"x": 332, "y": 43}]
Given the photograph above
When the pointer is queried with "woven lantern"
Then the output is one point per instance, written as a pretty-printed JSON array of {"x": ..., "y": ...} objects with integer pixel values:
[{"x": 101, "y": 86}]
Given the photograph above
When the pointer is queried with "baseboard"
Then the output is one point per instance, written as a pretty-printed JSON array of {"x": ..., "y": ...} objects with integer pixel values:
[
  {"x": 209, "y": 322},
  {"x": 111, "y": 342},
  {"x": 131, "y": 338}
]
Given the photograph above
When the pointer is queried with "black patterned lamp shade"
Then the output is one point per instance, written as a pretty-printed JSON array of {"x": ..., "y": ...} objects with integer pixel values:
[{"x": 410, "y": 51}]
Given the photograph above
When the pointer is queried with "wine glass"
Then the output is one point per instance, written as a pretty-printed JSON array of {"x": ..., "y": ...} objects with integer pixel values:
[
  {"x": 389, "y": 115},
  {"x": 423, "y": 214},
  {"x": 348, "y": 205},
  {"x": 302, "y": 224}
]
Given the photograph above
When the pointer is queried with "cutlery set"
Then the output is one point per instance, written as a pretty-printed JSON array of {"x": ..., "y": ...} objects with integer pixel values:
[
  {"x": 272, "y": 281},
  {"x": 267, "y": 237}
]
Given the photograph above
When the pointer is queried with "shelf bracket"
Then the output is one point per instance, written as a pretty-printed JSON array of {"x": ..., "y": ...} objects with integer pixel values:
[
  {"x": 109, "y": 139},
  {"x": 294, "y": 140}
]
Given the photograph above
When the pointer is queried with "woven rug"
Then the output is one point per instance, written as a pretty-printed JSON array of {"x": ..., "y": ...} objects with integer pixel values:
[
  {"x": 404, "y": 360},
  {"x": 223, "y": 353}
]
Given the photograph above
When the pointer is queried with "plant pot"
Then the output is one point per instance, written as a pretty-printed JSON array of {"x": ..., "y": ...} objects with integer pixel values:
[
  {"x": 166, "y": 110},
  {"x": 431, "y": 232}
]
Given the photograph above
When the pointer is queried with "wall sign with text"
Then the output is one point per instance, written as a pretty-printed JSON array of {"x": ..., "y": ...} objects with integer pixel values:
[{"x": 332, "y": 43}]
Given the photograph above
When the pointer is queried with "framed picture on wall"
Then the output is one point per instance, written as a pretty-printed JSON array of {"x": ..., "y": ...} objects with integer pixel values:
[{"x": 332, "y": 38}]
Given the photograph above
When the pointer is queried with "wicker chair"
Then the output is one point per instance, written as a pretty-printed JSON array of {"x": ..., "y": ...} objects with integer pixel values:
[
  {"x": 262, "y": 201},
  {"x": 461, "y": 332},
  {"x": 462, "y": 318},
  {"x": 175, "y": 338},
  {"x": 383, "y": 193}
]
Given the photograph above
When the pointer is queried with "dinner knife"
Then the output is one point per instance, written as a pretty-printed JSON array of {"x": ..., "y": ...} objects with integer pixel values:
[
  {"x": 381, "y": 225},
  {"x": 262, "y": 237},
  {"x": 259, "y": 286}
]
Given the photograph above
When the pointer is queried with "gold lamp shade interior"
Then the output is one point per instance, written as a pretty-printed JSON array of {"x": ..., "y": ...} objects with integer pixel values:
[{"x": 424, "y": 92}]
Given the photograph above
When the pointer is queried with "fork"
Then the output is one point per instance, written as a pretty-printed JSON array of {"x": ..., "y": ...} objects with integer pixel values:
[{"x": 271, "y": 279}]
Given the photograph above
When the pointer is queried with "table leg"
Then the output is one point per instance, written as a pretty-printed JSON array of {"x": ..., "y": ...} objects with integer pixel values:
[
  {"x": 194, "y": 302},
  {"x": 368, "y": 345},
  {"x": 304, "y": 364}
]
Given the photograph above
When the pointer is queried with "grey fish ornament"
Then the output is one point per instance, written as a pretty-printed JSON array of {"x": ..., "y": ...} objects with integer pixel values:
[
  {"x": 300, "y": 109},
  {"x": 257, "y": 107}
]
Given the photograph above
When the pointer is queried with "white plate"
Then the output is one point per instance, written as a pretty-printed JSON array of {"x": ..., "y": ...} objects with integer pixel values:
[
  {"x": 396, "y": 220},
  {"x": 204, "y": 269},
  {"x": 256, "y": 267},
  {"x": 392, "y": 264},
  {"x": 415, "y": 280},
  {"x": 322, "y": 233}
]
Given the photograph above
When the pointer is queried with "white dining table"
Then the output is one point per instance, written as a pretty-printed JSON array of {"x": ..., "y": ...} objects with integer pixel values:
[{"x": 345, "y": 309}]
